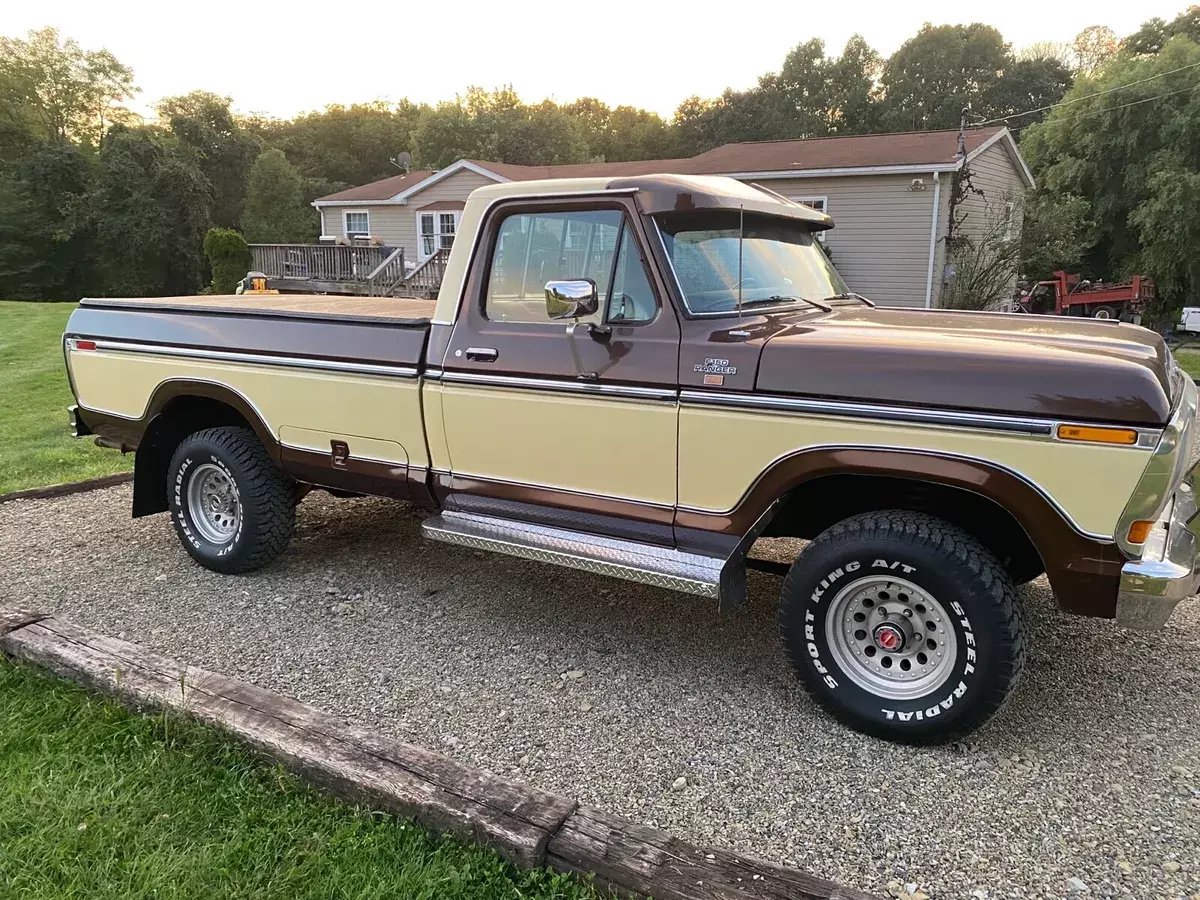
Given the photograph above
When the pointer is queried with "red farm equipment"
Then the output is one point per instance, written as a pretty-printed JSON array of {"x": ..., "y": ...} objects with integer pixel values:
[{"x": 1070, "y": 295}]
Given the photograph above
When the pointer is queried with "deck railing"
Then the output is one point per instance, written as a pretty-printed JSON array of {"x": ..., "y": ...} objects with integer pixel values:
[
  {"x": 338, "y": 268},
  {"x": 424, "y": 281},
  {"x": 318, "y": 262}
]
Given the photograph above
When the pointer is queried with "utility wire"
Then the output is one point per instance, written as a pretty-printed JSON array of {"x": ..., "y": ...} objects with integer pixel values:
[
  {"x": 1119, "y": 87},
  {"x": 1088, "y": 112}
]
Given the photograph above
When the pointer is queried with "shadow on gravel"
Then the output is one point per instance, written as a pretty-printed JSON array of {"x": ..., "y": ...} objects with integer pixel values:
[{"x": 1076, "y": 666}]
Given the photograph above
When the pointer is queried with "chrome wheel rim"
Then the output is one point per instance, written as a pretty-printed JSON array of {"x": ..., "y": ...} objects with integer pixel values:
[
  {"x": 1103, "y": 314},
  {"x": 891, "y": 637},
  {"x": 213, "y": 502}
]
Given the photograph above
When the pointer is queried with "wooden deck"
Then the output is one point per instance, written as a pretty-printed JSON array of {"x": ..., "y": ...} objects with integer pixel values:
[{"x": 347, "y": 269}]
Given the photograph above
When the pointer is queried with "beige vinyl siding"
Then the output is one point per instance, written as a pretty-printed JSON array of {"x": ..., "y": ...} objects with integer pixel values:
[
  {"x": 396, "y": 225},
  {"x": 996, "y": 177},
  {"x": 994, "y": 174},
  {"x": 880, "y": 239},
  {"x": 939, "y": 253}
]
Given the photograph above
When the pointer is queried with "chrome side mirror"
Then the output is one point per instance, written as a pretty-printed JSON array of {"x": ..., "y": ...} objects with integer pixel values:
[{"x": 571, "y": 299}]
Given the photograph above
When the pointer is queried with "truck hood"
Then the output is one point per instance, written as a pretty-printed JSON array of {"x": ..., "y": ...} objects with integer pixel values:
[{"x": 1046, "y": 366}]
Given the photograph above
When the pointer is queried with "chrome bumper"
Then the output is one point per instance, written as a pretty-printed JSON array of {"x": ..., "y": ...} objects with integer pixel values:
[{"x": 1152, "y": 586}]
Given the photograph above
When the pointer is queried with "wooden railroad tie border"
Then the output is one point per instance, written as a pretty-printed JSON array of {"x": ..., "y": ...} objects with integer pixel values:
[
  {"x": 528, "y": 826},
  {"x": 71, "y": 487}
]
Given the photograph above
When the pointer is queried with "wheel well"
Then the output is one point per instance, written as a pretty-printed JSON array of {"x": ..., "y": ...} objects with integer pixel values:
[
  {"x": 182, "y": 416},
  {"x": 815, "y": 505}
]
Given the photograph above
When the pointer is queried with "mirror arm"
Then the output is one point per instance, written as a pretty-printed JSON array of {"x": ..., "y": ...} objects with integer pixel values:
[{"x": 579, "y": 371}]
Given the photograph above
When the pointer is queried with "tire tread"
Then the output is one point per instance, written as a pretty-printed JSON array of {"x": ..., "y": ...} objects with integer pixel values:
[
  {"x": 953, "y": 542},
  {"x": 263, "y": 484}
]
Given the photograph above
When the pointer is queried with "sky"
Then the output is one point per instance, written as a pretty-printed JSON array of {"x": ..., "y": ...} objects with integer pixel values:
[{"x": 283, "y": 58}]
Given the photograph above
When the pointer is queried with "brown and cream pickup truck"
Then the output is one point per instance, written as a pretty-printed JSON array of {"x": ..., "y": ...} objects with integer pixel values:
[{"x": 638, "y": 377}]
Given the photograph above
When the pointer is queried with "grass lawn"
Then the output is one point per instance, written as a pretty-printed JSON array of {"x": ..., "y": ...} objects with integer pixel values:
[
  {"x": 36, "y": 447},
  {"x": 98, "y": 802},
  {"x": 1189, "y": 361}
]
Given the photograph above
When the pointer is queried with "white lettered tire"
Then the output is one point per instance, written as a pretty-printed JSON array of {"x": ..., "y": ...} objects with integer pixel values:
[
  {"x": 233, "y": 510},
  {"x": 903, "y": 626}
]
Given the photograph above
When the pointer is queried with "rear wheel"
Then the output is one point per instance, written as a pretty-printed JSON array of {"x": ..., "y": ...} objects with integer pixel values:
[
  {"x": 903, "y": 626},
  {"x": 233, "y": 509},
  {"x": 1104, "y": 312}
]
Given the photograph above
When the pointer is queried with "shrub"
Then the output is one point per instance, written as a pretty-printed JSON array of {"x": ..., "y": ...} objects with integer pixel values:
[{"x": 228, "y": 257}]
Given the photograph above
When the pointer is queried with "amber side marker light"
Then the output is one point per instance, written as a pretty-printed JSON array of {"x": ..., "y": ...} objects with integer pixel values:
[
  {"x": 1139, "y": 531},
  {"x": 1125, "y": 436}
]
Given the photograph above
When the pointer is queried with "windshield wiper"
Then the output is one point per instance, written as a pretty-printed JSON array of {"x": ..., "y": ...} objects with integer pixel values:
[
  {"x": 777, "y": 298},
  {"x": 851, "y": 295}
]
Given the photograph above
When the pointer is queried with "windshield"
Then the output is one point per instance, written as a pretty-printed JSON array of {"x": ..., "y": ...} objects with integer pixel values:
[{"x": 782, "y": 261}]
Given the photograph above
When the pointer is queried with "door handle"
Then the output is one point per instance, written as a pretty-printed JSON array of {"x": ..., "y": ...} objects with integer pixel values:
[{"x": 482, "y": 354}]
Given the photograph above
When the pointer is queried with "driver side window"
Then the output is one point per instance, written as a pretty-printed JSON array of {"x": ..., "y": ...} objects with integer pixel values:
[{"x": 534, "y": 248}]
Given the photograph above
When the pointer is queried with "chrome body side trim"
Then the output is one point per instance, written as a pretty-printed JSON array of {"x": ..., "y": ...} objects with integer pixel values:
[
  {"x": 659, "y": 566},
  {"x": 845, "y": 409},
  {"x": 296, "y": 362},
  {"x": 1164, "y": 471},
  {"x": 1036, "y": 427},
  {"x": 1151, "y": 587},
  {"x": 1105, "y": 538},
  {"x": 617, "y": 391}
]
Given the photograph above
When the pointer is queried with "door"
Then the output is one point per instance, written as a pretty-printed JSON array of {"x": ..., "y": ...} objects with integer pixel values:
[{"x": 584, "y": 424}]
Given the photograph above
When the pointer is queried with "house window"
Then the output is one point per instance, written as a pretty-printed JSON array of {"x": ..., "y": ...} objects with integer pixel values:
[
  {"x": 436, "y": 231},
  {"x": 356, "y": 223},
  {"x": 1010, "y": 220},
  {"x": 820, "y": 204}
]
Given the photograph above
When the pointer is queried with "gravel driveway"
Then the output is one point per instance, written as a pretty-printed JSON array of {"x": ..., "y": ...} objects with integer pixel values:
[{"x": 650, "y": 704}]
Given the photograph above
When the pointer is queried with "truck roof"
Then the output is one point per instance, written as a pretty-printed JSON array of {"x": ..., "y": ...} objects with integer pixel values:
[{"x": 668, "y": 193}]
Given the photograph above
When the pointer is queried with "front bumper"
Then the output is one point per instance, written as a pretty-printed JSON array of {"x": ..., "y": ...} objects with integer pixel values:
[{"x": 1151, "y": 587}]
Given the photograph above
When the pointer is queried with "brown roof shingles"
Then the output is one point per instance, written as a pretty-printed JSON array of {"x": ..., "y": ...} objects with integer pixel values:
[
  {"x": 385, "y": 189},
  {"x": 858, "y": 151}
]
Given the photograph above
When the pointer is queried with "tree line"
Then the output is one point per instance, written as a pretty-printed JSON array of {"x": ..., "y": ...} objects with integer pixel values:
[{"x": 99, "y": 201}]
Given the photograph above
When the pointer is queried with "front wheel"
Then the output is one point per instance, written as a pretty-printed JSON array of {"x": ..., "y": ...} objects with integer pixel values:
[
  {"x": 233, "y": 509},
  {"x": 903, "y": 626}
]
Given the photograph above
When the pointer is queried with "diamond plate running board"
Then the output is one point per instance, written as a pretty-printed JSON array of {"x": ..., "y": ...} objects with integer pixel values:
[{"x": 660, "y": 566}]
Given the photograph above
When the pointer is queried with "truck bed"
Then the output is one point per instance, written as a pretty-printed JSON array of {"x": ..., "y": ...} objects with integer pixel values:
[
  {"x": 373, "y": 330},
  {"x": 389, "y": 310}
]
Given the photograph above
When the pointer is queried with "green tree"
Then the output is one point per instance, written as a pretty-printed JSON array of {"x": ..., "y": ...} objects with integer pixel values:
[
  {"x": 56, "y": 91},
  {"x": 1056, "y": 233},
  {"x": 1093, "y": 47},
  {"x": 1154, "y": 34},
  {"x": 853, "y": 88},
  {"x": 228, "y": 257},
  {"x": 496, "y": 125},
  {"x": 1128, "y": 148},
  {"x": 1025, "y": 85},
  {"x": 812, "y": 95},
  {"x": 276, "y": 212},
  {"x": 149, "y": 208},
  {"x": 940, "y": 71},
  {"x": 343, "y": 146},
  {"x": 46, "y": 247},
  {"x": 624, "y": 133},
  {"x": 224, "y": 150}
]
